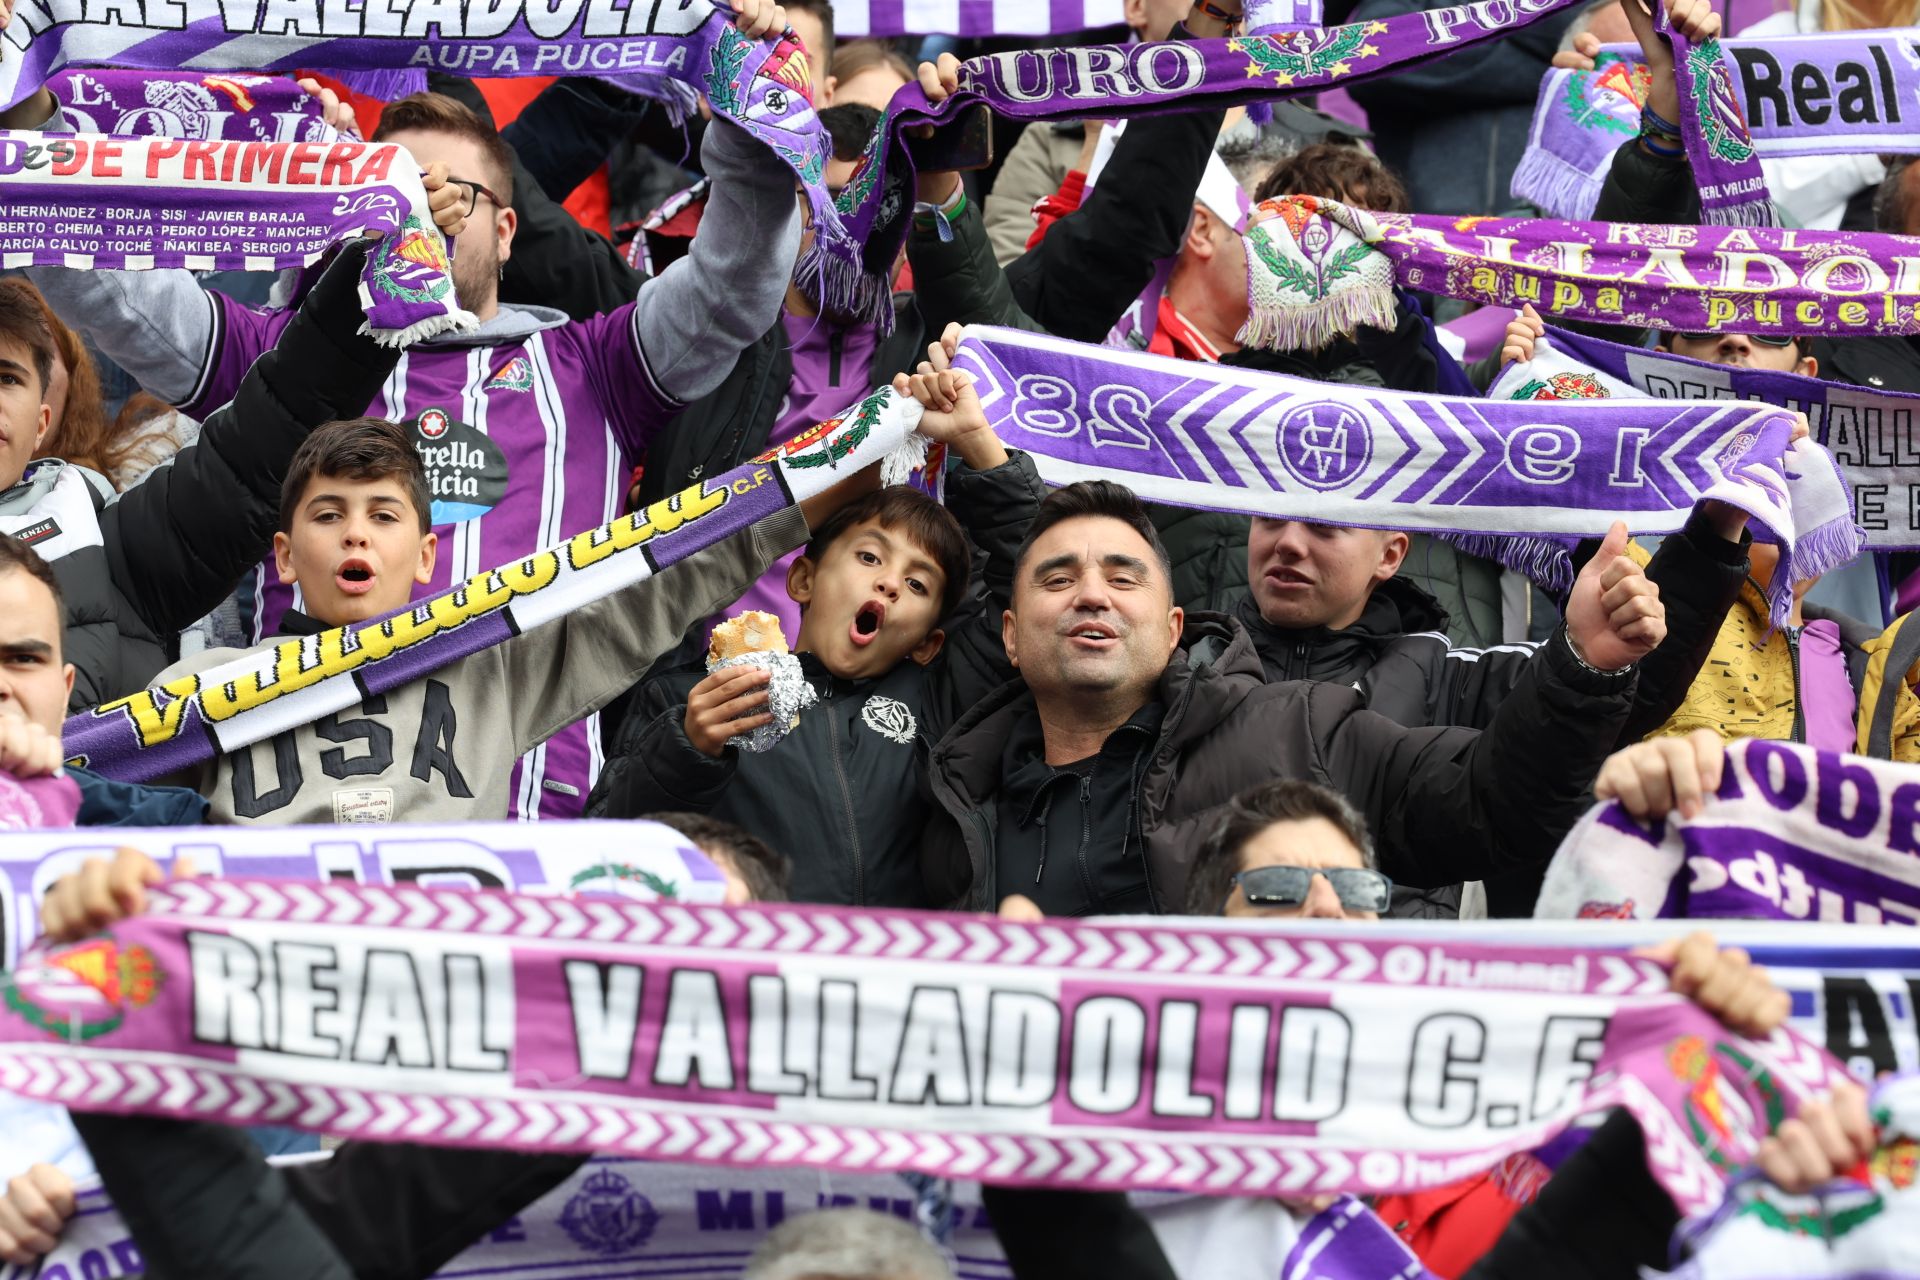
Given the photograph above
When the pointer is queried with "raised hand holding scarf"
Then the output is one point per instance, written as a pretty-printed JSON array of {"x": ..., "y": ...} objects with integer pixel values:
[
  {"x": 1832, "y": 93},
  {"x": 1219, "y": 438},
  {"x": 138, "y": 204}
]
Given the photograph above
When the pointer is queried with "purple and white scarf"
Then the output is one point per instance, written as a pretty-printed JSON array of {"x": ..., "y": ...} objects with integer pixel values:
[
  {"x": 1689, "y": 279},
  {"x": 143, "y": 203},
  {"x": 1115, "y": 1056},
  {"x": 1873, "y": 434},
  {"x": 884, "y": 19},
  {"x": 1733, "y": 190},
  {"x": 147, "y": 104},
  {"x": 1793, "y": 833},
  {"x": 1219, "y": 438},
  {"x": 1826, "y": 536},
  {"x": 1829, "y": 93}
]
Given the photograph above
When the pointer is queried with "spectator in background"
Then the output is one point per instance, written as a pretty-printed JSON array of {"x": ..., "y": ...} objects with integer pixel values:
[
  {"x": 1045, "y": 153},
  {"x": 121, "y": 449},
  {"x": 755, "y": 870},
  {"x": 866, "y": 73},
  {"x": 1455, "y": 128},
  {"x": 812, "y": 21}
]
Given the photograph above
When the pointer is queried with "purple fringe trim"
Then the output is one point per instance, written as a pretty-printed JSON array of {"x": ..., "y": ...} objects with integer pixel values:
[
  {"x": 1558, "y": 188},
  {"x": 386, "y": 84},
  {"x": 835, "y": 281},
  {"x": 1819, "y": 552},
  {"x": 1546, "y": 562},
  {"x": 1751, "y": 213}
]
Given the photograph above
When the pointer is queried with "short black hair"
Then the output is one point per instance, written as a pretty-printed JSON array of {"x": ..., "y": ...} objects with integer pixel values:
[
  {"x": 907, "y": 510},
  {"x": 767, "y": 873},
  {"x": 850, "y": 126},
  {"x": 1891, "y": 200},
  {"x": 16, "y": 555},
  {"x": 1210, "y": 882},
  {"x": 1101, "y": 498},
  {"x": 357, "y": 449}
]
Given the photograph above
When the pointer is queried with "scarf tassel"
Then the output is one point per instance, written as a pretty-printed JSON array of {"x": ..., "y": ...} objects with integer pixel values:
[
  {"x": 430, "y": 326},
  {"x": 1316, "y": 324},
  {"x": 839, "y": 284},
  {"x": 1545, "y": 562},
  {"x": 1558, "y": 188},
  {"x": 1751, "y": 213}
]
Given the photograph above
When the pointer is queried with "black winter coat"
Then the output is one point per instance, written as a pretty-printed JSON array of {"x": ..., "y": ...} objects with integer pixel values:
[
  {"x": 1443, "y": 805},
  {"x": 172, "y": 547},
  {"x": 841, "y": 794}
]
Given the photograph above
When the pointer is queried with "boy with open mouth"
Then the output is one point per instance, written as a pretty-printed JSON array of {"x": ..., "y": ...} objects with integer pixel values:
[{"x": 895, "y": 646}]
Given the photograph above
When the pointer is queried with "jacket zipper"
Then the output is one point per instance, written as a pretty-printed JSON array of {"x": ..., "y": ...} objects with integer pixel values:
[
  {"x": 835, "y": 341},
  {"x": 1297, "y": 668},
  {"x": 846, "y": 800},
  {"x": 1799, "y": 703},
  {"x": 1086, "y": 837}
]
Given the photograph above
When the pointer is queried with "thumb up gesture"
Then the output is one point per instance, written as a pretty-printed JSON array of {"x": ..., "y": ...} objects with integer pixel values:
[{"x": 1614, "y": 616}]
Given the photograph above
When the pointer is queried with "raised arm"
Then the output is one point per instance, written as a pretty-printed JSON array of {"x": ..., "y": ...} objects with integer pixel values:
[{"x": 177, "y": 543}]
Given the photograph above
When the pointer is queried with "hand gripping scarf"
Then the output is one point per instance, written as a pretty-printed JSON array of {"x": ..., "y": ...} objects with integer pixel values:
[
  {"x": 190, "y": 719},
  {"x": 1689, "y": 279},
  {"x": 1832, "y": 93},
  {"x": 1733, "y": 190},
  {"x": 1871, "y": 433},
  {"x": 1218, "y": 438},
  {"x": 1792, "y": 834},
  {"x": 1192, "y": 1055},
  {"x": 1825, "y": 535},
  {"x": 143, "y": 203}
]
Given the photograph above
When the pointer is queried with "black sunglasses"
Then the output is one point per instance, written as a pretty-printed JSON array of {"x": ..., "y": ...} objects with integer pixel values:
[
  {"x": 474, "y": 191},
  {"x": 1357, "y": 888},
  {"x": 1760, "y": 339}
]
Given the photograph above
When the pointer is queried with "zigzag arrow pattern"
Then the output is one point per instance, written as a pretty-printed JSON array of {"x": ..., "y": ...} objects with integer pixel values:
[
  {"x": 78, "y": 1078},
  {"x": 871, "y": 935}
]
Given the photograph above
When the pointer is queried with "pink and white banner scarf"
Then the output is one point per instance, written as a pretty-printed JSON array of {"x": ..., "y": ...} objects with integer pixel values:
[
  {"x": 146, "y": 203},
  {"x": 1163, "y": 1054}
]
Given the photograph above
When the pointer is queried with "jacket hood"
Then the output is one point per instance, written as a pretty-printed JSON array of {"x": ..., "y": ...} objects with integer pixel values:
[
  {"x": 513, "y": 322},
  {"x": 38, "y": 480},
  {"x": 1213, "y": 670},
  {"x": 1398, "y": 607}
]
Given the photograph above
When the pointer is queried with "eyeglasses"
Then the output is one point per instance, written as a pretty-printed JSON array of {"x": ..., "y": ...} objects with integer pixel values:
[
  {"x": 1358, "y": 889},
  {"x": 1759, "y": 339},
  {"x": 474, "y": 191}
]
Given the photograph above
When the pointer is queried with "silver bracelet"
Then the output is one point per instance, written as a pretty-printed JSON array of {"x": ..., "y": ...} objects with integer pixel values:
[{"x": 1574, "y": 649}]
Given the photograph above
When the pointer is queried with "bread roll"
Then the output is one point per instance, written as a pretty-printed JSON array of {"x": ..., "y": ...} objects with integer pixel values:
[{"x": 751, "y": 632}]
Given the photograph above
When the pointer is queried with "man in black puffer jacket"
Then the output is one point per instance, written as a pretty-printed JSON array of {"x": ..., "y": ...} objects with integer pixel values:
[{"x": 136, "y": 568}]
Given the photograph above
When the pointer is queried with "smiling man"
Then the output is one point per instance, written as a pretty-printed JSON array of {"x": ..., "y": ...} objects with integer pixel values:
[{"x": 1087, "y": 785}]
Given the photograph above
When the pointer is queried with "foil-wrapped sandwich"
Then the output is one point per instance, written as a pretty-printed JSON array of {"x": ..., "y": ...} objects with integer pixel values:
[{"x": 755, "y": 638}]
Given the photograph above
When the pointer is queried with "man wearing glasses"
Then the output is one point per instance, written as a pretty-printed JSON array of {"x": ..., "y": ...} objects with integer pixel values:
[{"x": 529, "y": 426}]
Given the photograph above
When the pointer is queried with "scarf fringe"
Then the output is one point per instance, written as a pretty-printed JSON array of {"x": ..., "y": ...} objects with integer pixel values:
[
  {"x": 1316, "y": 324},
  {"x": 1749, "y": 213},
  {"x": 1564, "y": 190},
  {"x": 836, "y": 281},
  {"x": 385, "y": 84},
  {"x": 1545, "y": 562},
  {"x": 1818, "y": 552},
  {"x": 422, "y": 330},
  {"x": 910, "y": 455}
]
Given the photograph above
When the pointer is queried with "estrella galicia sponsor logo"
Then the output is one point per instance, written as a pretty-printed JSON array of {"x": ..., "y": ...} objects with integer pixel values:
[
  {"x": 1325, "y": 445},
  {"x": 608, "y": 1216},
  {"x": 466, "y": 472},
  {"x": 38, "y": 531},
  {"x": 515, "y": 375}
]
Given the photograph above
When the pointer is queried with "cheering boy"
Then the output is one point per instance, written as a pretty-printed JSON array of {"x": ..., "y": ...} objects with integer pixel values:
[
  {"x": 895, "y": 647},
  {"x": 354, "y": 539}
]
